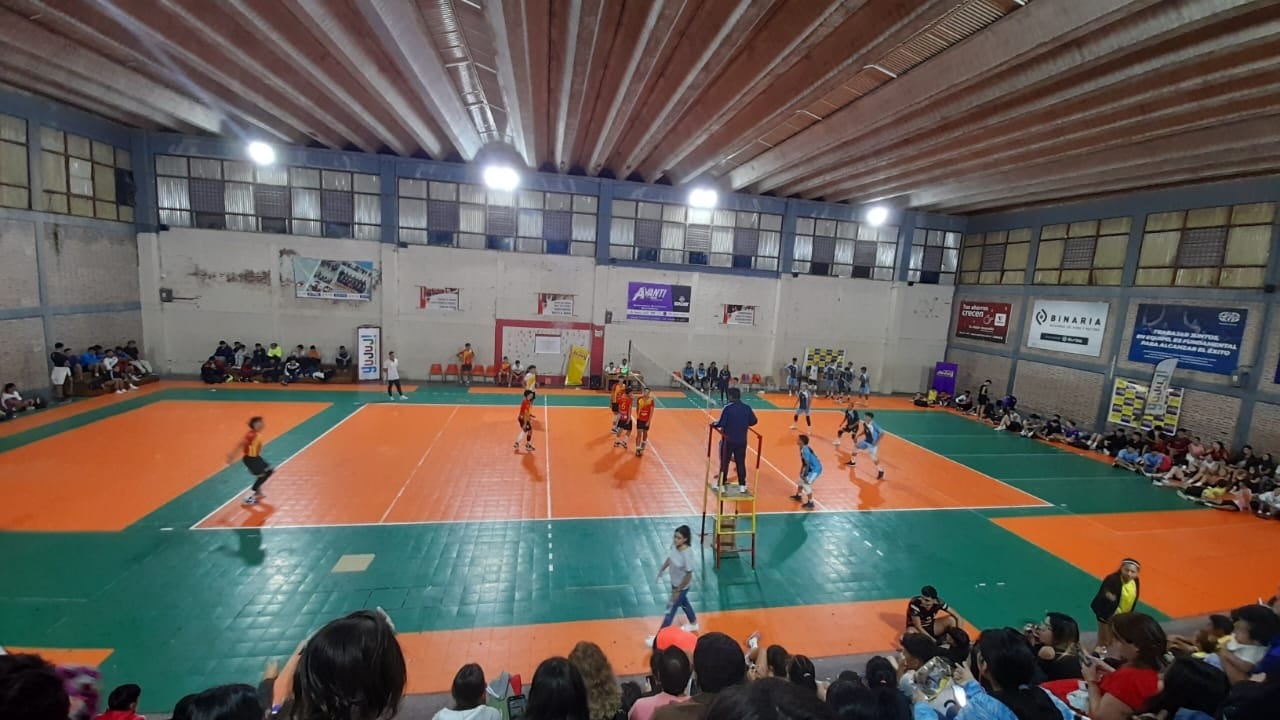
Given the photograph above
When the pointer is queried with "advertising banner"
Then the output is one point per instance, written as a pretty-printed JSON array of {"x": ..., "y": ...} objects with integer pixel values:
[
  {"x": 1129, "y": 407},
  {"x": 577, "y": 366},
  {"x": 1161, "y": 380},
  {"x": 944, "y": 377},
  {"x": 439, "y": 298},
  {"x": 333, "y": 279},
  {"x": 1206, "y": 339},
  {"x": 739, "y": 315},
  {"x": 1069, "y": 327},
  {"x": 658, "y": 301},
  {"x": 983, "y": 321},
  {"x": 556, "y": 304},
  {"x": 368, "y": 353}
]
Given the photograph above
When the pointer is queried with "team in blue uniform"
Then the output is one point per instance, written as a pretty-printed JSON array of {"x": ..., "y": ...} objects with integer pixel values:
[{"x": 810, "y": 469}]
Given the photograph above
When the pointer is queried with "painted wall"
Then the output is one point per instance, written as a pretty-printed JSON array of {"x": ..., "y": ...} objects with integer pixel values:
[
  {"x": 67, "y": 280},
  {"x": 238, "y": 286}
]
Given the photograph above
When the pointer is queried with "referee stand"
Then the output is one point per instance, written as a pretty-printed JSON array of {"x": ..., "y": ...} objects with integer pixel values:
[{"x": 734, "y": 514}]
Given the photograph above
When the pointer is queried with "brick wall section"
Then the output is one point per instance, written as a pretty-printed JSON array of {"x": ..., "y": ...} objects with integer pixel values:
[
  {"x": 90, "y": 265},
  {"x": 1209, "y": 415},
  {"x": 1264, "y": 433},
  {"x": 1249, "y": 345},
  {"x": 1051, "y": 389},
  {"x": 975, "y": 367},
  {"x": 22, "y": 354},
  {"x": 18, "y": 253},
  {"x": 106, "y": 329}
]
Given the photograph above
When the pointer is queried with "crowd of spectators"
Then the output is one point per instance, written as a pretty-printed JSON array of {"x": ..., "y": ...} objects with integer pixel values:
[
  {"x": 353, "y": 669},
  {"x": 236, "y": 362}
]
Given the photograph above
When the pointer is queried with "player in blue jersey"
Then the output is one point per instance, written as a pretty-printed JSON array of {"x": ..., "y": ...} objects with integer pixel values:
[
  {"x": 804, "y": 398},
  {"x": 810, "y": 469},
  {"x": 793, "y": 376},
  {"x": 870, "y": 443},
  {"x": 848, "y": 424}
]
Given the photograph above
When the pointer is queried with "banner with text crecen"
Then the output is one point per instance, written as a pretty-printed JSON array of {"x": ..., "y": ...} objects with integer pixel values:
[
  {"x": 1207, "y": 339},
  {"x": 983, "y": 321}
]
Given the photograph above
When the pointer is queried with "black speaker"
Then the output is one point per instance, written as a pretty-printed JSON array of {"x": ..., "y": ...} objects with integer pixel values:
[
  {"x": 596, "y": 382},
  {"x": 166, "y": 295}
]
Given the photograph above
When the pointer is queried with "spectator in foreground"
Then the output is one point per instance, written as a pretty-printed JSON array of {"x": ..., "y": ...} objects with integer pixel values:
[
  {"x": 557, "y": 693},
  {"x": 771, "y": 699},
  {"x": 1058, "y": 651},
  {"x": 1255, "y": 628},
  {"x": 1004, "y": 662},
  {"x": 1139, "y": 643},
  {"x": 122, "y": 703},
  {"x": 923, "y": 611},
  {"x": 673, "y": 672},
  {"x": 352, "y": 669},
  {"x": 226, "y": 702},
  {"x": 604, "y": 694},
  {"x": 469, "y": 697},
  {"x": 718, "y": 664},
  {"x": 30, "y": 689},
  {"x": 1190, "y": 690}
]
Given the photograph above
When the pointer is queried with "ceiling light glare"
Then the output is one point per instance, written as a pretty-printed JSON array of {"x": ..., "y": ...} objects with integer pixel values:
[
  {"x": 501, "y": 177},
  {"x": 262, "y": 153},
  {"x": 878, "y": 215},
  {"x": 703, "y": 198}
]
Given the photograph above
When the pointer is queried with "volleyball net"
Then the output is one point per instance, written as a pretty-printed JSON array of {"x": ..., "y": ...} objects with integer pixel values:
[{"x": 663, "y": 376}]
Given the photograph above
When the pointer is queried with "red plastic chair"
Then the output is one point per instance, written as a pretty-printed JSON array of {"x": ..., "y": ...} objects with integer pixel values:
[
  {"x": 451, "y": 369},
  {"x": 436, "y": 371}
]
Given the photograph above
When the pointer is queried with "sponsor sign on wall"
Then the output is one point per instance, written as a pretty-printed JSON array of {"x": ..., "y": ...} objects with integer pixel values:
[
  {"x": 983, "y": 321},
  {"x": 1069, "y": 327},
  {"x": 556, "y": 304},
  {"x": 333, "y": 279},
  {"x": 739, "y": 315},
  {"x": 1161, "y": 385},
  {"x": 1129, "y": 407},
  {"x": 368, "y": 352},
  {"x": 658, "y": 301},
  {"x": 1206, "y": 339},
  {"x": 439, "y": 298}
]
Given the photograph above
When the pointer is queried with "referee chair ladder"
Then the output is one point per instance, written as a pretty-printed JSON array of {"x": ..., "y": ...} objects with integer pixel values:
[{"x": 734, "y": 513}]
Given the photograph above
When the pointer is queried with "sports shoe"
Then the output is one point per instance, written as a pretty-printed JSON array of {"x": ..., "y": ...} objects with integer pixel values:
[
  {"x": 528, "y": 447},
  {"x": 793, "y": 427},
  {"x": 880, "y": 475},
  {"x": 808, "y": 505},
  {"x": 690, "y": 627},
  {"x": 132, "y": 386},
  {"x": 251, "y": 500},
  {"x": 649, "y": 640},
  {"x": 851, "y": 463},
  {"x": 624, "y": 444},
  {"x": 404, "y": 397},
  {"x": 797, "y": 497}
]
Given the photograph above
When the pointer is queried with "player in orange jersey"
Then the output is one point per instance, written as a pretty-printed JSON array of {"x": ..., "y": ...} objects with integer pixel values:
[
  {"x": 615, "y": 395},
  {"x": 504, "y": 372},
  {"x": 250, "y": 450},
  {"x": 623, "y": 429},
  {"x": 644, "y": 416},
  {"x": 525, "y": 418},
  {"x": 466, "y": 356}
]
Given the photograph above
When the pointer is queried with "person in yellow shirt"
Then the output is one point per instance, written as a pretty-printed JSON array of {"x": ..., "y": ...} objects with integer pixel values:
[
  {"x": 615, "y": 396},
  {"x": 466, "y": 357},
  {"x": 1118, "y": 594}
]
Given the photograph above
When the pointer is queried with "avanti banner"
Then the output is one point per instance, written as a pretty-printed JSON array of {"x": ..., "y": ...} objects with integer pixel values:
[
  {"x": 658, "y": 301},
  {"x": 1206, "y": 339}
]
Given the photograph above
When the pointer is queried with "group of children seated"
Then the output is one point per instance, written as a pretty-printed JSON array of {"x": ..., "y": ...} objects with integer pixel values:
[
  {"x": 111, "y": 368},
  {"x": 234, "y": 362}
]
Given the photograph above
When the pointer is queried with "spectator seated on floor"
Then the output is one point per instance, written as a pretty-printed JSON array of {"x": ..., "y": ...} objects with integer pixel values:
[
  {"x": 1032, "y": 426},
  {"x": 1128, "y": 458},
  {"x": 992, "y": 412},
  {"x": 919, "y": 400},
  {"x": 12, "y": 403},
  {"x": 928, "y": 615},
  {"x": 1156, "y": 463},
  {"x": 1004, "y": 686},
  {"x": 311, "y": 360},
  {"x": 945, "y": 399},
  {"x": 116, "y": 377},
  {"x": 1255, "y": 626},
  {"x": 964, "y": 401},
  {"x": 225, "y": 353},
  {"x": 1114, "y": 442},
  {"x": 469, "y": 693},
  {"x": 1138, "y": 646},
  {"x": 122, "y": 704},
  {"x": 212, "y": 371},
  {"x": 1011, "y": 422},
  {"x": 342, "y": 361}
]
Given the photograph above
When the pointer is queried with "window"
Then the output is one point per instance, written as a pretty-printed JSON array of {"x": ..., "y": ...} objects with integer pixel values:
[
  {"x": 237, "y": 195},
  {"x": 1207, "y": 247},
  {"x": 935, "y": 255},
  {"x": 85, "y": 177},
  {"x": 996, "y": 258},
  {"x": 15, "y": 181},
  {"x": 842, "y": 248},
  {"x": 681, "y": 235},
  {"x": 1091, "y": 252},
  {"x": 446, "y": 214}
]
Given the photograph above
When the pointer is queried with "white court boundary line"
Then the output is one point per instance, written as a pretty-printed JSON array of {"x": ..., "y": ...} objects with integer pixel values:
[
  {"x": 1043, "y": 502},
  {"x": 546, "y": 449},
  {"x": 688, "y": 503},
  {"x": 418, "y": 467},
  {"x": 281, "y": 464}
]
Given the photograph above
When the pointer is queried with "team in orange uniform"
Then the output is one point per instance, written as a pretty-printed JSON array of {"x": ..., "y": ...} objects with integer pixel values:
[
  {"x": 644, "y": 416},
  {"x": 504, "y": 372},
  {"x": 250, "y": 450},
  {"x": 615, "y": 395},
  {"x": 623, "y": 429},
  {"x": 526, "y": 422},
  {"x": 466, "y": 356}
]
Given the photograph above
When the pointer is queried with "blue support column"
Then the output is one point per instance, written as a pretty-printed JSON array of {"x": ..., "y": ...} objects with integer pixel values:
[
  {"x": 787, "y": 248},
  {"x": 604, "y": 222},
  {"x": 1127, "y": 277},
  {"x": 389, "y": 185},
  {"x": 906, "y": 234},
  {"x": 145, "y": 213}
]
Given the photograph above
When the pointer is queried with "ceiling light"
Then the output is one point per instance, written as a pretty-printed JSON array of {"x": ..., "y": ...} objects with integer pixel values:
[
  {"x": 262, "y": 153},
  {"x": 878, "y": 215},
  {"x": 501, "y": 177},
  {"x": 703, "y": 198}
]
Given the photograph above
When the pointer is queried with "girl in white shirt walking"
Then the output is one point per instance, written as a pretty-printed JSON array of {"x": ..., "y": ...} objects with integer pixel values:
[
  {"x": 392, "y": 369},
  {"x": 680, "y": 563}
]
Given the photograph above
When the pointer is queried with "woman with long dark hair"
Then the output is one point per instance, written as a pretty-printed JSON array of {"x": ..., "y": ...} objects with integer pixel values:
[
  {"x": 1058, "y": 646},
  {"x": 1190, "y": 690},
  {"x": 352, "y": 669},
  {"x": 1002, "y": 659},
  {"x": 1139, "y": 643},
  {"x": 558, "y": 692}
]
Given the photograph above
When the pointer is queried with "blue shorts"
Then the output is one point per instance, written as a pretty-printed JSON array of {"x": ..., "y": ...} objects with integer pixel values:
[
  {"x": 792, "y": 382},
  {"x": 809, "y": 478},
  {"x": 864, "y": 389},
  {"x": 802, "y": 411},
  {"x": 872, "y": 450}
]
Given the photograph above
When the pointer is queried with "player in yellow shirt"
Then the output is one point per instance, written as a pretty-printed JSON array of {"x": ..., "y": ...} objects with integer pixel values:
[
  {"x": 615, "y": 396},
  {"x": 466, "y": 356},
  {"x": 644, "y": 416}
]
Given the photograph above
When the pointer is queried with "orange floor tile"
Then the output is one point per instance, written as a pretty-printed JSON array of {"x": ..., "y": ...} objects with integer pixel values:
[
  {"x": 1179, "y": 551},
  {"x": 74, "y": 408},
  {"x": 63, "y": 656},
  {"x": 433, "y": 657},
  {"x": 502, "y": 390},
  {"x": 162, "y": 450}
]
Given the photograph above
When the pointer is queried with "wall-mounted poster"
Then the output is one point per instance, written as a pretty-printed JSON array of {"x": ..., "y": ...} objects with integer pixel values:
[
  {"x": 333, "y": 279},
  {"x": 1200, "y": 338},
  {"x": 1069, "y": 327},
  {"x": 439, "y": 298},
  {"x": 658, "y": 301},
  {"x": 1129, "y": 405},
  {"x": 983, "y": 321},
  {"x": 557, "y": 304},
  {"x": 739, "y": 315}
]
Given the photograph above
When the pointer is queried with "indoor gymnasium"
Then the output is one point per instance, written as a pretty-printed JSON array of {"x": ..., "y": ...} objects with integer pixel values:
[{"x": 587, "y": 360}]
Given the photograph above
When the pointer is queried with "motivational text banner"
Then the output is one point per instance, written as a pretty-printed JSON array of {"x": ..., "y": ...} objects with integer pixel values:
[
  {"x": 1069, "y": 327},
  {"x": 983, "y": 321},
  {"x": 739, "y": 315},
  {"x": 557, "y": 304},
  {"x": 439, "y": 298},
  {"x": 333, "y": 279},
  {"x": 658, "y": 301},
  {"x": 1206, "y": 339}
]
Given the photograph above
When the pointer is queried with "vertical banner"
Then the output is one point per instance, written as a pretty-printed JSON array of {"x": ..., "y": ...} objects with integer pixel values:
[
  {"x": 944, "y": 377},
  {"x": 439, "y": 298},
  {"x": 368, "y": 353},
  {"x": 333, "y": 279},
  {"x": 1069, "y": 327},
  {"x": 983, "y": 321},
  {"x": 557, "y": 304},
  {"x": 577, "y": 366},
  {"x": 1161, "y": 384},
  {"x": 1206, "y": 339},
  {"x": 1129, "y": 407},
  {"x": 658, "y": 301},
  {"x": 739, "y": 315}
]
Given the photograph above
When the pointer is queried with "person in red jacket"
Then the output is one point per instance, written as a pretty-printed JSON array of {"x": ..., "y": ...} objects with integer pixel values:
[{"x": 122, "y": 704}]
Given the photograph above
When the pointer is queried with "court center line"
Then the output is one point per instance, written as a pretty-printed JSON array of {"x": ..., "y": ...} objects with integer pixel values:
[
  {"x": 418, "y": 467},
  {"x": 282, "y": 463}
]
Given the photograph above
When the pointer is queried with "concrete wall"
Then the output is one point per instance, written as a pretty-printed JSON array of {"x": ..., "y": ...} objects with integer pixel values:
[
  {"x": 65, "y": 279},
  {"x": 239, "y": 286}
]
